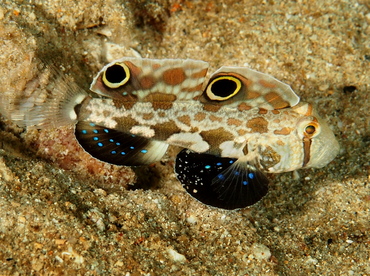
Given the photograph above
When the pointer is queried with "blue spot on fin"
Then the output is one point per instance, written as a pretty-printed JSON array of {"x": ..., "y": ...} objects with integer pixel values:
[
  {"x": 117, "y": 147},
  {"x": 218, "y": 182}
]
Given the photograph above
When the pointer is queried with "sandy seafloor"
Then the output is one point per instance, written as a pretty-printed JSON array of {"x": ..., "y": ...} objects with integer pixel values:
[{"x": 64, "y": 213}]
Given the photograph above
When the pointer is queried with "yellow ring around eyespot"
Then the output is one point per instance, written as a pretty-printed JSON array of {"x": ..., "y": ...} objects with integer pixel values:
[
  {"x": 116, "y": 84},
  {"x": 218, "y": 98}
]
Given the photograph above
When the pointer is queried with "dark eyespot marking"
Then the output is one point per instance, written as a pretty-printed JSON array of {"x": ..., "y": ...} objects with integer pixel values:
[
  {"x": 116, "y": 75},
  {"x": 223, "y": 88}
]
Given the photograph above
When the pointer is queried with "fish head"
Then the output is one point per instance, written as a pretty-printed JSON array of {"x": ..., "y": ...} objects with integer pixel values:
[{"x": 318, "y": 141}]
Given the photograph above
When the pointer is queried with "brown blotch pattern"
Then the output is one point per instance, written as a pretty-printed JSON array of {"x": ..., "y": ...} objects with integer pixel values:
[
  {"x": 262, "y": 111},
  {"x": 283, "y": 131},
  {"x": 199, "y": 74},
  {"x": 199, "y": 116},
  {"x": 214, "y": 118},
  {"x": 215, "y": 137},
  {"x": 147, "y": 82},
  {"x": 275, "y": 111},
  {"x": 128, "y": 105},
  {"x": 246, "y": 82},
  {"x": 242, "y": 132},
  {"x": 243, "y": 107},
  {"x": 106, "y": 113},
  {"x": 275, "y": 100},
  {"x": 194, "y": 88},
  {"x": 252, "y": 95},
  {"x": 165, "y": 130},
  {"x": 235, "y": 122},
  {"x": 162, "y": 105},
  {"x": 160, "y": 97},
  {"x": 134, "y": 70},
  {"x": 124, "y": 104},
  {"x": 211, "y": 107},
  {"x": 258, "y": 124},
  {"x": 185, "y": 119},
  {"x": 280, "y": 143},
  {"x": 148, "y": 116},
  {"x": 161, "y": 114},
  {"x": 160, "y": 100},
  {"x": 267, "y": 84},
  {"x": 174, "y": 76},
  {"x": 125, "y": 124},
  {"x": 156, "y": 66}
]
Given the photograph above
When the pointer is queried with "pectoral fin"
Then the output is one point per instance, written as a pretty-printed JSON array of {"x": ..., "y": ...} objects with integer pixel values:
[
  {"x": 220, "y": 182},
  {"x": 118, "y": 148}
]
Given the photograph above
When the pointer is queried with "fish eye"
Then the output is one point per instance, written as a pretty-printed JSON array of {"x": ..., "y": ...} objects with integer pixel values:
[
  {"x": 116, "y": 75},
  {"x": 223, "y": 87},
  {"x": 310, "y": 129}
]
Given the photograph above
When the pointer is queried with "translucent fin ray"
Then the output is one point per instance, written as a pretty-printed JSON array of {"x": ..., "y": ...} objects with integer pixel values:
[{"x": 48, "y": 99}]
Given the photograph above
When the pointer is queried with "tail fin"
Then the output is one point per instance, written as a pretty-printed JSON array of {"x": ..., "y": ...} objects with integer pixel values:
[{"x": 47, "y": 100}]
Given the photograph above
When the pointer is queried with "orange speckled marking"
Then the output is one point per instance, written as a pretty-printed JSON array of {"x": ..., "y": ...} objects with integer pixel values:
[
  {"x": 159, "y": 98},
  {"x": 133, "y": 68},
  {"x": 148, "y": 116},
  {"x": 156, "y": 66},
  {"x": 128, "y": 105},
  {"x": 162, "y": 114},
  {"x": 252, "y": 95},
  {"x": 283, "y": 131},
  {"x": 174, "y": 76},
  {"x": 275, "y": 100},
  {"x": 211, "y": 107},
  {"x": 242, "y": 132},
  {"x": 235, "y": 122},
  {"x": 162, "y": 105},
  {"x": 280, "y": 143},
  {"x": 216, "y": 136},
  {"x": 258, "y": 124},
  {"x": 243, "y": 107},
  {"x": 163, "y": 130},
  {"x": 185, "y": 119},
  {"x": 267, "y": 84},
  {"x": 262, "y": 111},
  {"x": 199, "y": 74},
  {"x": 214, "y": 118},
  {"x": 195, "y": 88},
  {"x": 147, "y": 82}
]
